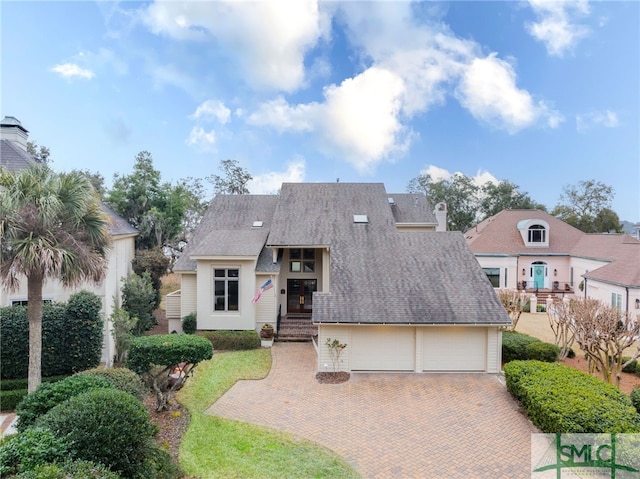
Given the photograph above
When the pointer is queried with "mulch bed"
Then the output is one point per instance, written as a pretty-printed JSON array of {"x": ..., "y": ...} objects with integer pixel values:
[
  {"x": 171, "y": 424},
  {"x": 333, "y": 378}
]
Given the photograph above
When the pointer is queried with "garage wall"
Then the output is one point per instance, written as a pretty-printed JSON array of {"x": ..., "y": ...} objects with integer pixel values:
[{"x": 342, "y": 334}]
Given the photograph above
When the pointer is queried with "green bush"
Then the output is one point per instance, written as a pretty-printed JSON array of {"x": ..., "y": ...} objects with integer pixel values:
[
  {"x": 10, "y": 399},
  {"x": 32, "y": 447},
  {"x": 49, "y": 395},
  {"x": 631, "y": 367},
  {"x": 571, "y": 353},
  {"x": 107, "y": 426},
  {"x": 166, "y": 350},
  {"x": 635, "y": 399},
  {"x": 514, "y": 345},
  {"x": 232, "y": 340},
  {"x": 189, "y": 323},
  {"x": 121, "y": 378},
  {"x": 71, "y": 337},
  {"x": 540, "y": 351},
  {"x": 139, "y": 300},
  {"x": 12, "y": 384},
  {"x": 560, "y": 399},
  {"x": 77, "y": 469}
]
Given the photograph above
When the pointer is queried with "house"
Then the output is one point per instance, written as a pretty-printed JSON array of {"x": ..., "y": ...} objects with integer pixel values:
[
  {"x": 534, "y": 251},
  {"x": 14, "y": 157},
  {"x": 374, "y": 270}
]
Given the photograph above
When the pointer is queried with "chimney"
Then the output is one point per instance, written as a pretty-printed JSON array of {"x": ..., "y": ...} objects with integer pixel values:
[
  {"x": 441, "y": 216},
  {"x": 11, "y": 129}
]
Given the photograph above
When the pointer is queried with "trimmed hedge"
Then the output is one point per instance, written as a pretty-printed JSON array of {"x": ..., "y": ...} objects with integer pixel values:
[
  {"x": 50, "y": 395},
  {"x": 635, "y": 399},
  {"x": 514, "y": 345},
  {"x": 13, "y": 390},
  {"x": 540, "y": 351},
  {"x": 14, "y": 384},
  {"x": 78, "y": 469},
  {"x": 166, "y": 350},
  {"x": 35, "y": 446},
  {"x": 560, "y": 399},
  {"x": 121, "y": 378},
  {"x": 232, "y": 340},
  {"x": 71, "y": 337},
  {"x": 631, "y": 367},
  {"x": 106, "y": 426}
]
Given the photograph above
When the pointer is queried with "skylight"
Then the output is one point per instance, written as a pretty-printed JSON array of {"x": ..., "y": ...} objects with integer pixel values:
[
  {"x": 360, "y": 219},
  {"x": 257, "y": 224}
]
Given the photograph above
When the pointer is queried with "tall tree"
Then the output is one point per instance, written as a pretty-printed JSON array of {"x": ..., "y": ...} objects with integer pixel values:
[
  {"x": 458, "y": 192},
  {"x": 40, "y": 153},
  {"x": 96, "y": 179},
  {"x": 502, "y": 196},
  {"x": 234, "y": 180},
  {"x": 580, "y": 204},
  {"x": 156, "y": 209},
  {"x": 51, "y": 226}
]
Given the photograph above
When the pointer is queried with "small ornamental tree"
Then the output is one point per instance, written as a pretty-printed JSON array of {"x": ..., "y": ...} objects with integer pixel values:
[
  {"x": 122, "y": 332},
  {"x": 166, "y": 361},
  {"x": 513, "y": 301},
  {"x": 139, "y": 300},
  {"x": 559, "y": 313},
  {"x": 335, "y": 348}
]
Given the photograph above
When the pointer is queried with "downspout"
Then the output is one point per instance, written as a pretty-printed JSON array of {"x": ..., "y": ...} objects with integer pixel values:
[
  {"x": 627, "y": 305},
  {"x": 585, "y": 288}
]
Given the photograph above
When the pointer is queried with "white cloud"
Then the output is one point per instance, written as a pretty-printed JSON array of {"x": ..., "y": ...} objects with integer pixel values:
[
  {"x": 271, "y": 182},
  {"x": 606, "y": 118},
  {"x": 267, "y": 39},
  {"x": 488, "y": 90},
  {"x": 202, "y": 139},
  {"x": 479, "y": 179},
  {"x": 212, "y": 109},
  {"x": 556, "y": 26},
  {"x": 70, "y": 70},
  {"x": 358, "y": 119}
]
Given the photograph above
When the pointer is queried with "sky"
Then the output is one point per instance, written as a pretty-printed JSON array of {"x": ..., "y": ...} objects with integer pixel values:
[{"x": 541, "y": 94}]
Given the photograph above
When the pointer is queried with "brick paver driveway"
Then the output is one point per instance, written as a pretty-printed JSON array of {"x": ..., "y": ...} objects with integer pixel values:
[{"x": 391, "y": 425}]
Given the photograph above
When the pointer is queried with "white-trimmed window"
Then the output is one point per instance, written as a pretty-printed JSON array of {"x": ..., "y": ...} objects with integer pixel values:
[
  {"x": 302, "y": 260},
  {"x": 494, "y": 276},
  {"x": 616, "y": 301},
  {"x": 537, "y": 234},
  {"x": 225, "y": 289},
  {"x": 24, "y": 302}
]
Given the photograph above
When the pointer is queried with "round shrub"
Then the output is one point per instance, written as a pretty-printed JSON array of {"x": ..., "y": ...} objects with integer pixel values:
[
  {"x": 631, "y": 367},
  {"x": 50, "y": 395},
  {"x": 540, "y": 351},
  {"x": 107, "y": 426},
  {"x": 70, "y": 469},
  {"x": 121, "y": 378},
  {"x": 635, "y": 399},
  {"x": 514, "y": 345},
  {"x": 27, "y": 450},
  {"x": 189, "y": 323}
]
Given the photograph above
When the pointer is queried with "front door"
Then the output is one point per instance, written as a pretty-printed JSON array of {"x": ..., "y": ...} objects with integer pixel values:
[
  {"x": 300, "y": 295},
  {"x": 538, "y": 275}
]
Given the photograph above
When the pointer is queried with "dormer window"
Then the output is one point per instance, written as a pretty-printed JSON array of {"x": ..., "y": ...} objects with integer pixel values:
[
  {"x": 534, "y": 232},
  {"x": 537, "y": 234}
]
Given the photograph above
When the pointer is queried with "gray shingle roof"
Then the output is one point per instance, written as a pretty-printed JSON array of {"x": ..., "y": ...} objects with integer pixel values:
[
  {"x": 118, "y": 226},
  {"x": 13, "y": 158},
  {"x": 412, "y": 208},
  {"x": 226, "y": 228}
]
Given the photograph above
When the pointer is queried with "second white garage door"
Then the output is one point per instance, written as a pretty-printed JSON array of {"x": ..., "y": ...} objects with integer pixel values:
[
  {"x": 382, "y": 348},
  {"x": 454, "y": 349}
]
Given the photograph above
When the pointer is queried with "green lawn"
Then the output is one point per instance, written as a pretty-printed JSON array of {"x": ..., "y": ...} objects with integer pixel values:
[{"x": 214, "y": 447}]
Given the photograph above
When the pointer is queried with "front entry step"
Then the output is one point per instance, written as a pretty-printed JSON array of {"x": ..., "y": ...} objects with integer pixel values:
[{"x": 296, "y": 328}]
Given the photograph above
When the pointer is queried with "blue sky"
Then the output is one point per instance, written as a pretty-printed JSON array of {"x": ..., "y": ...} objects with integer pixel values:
[{"x": 541, "y": 94}]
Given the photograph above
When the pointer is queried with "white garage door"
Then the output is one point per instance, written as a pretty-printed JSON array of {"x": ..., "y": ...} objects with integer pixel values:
[
  {"x": 382, "y": 348},
  {"x": 454, "y": 349}
]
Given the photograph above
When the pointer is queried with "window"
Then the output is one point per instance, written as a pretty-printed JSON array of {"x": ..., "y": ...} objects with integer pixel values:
[
  {"x": 616, "y": 301},
  {"x": 537, "y": 234},
  {"x": 302, "y": 260},
  {"x": 24, "y": 302},
  {"x": 225, "y": 289},
  {"x": 494, "y": 276}
]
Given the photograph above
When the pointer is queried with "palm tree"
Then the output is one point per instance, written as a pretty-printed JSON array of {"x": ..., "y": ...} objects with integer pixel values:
[{"x": 51, "y": 226}]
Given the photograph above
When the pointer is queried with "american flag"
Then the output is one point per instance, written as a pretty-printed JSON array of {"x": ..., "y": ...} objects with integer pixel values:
[{"x": 267, "y": 285}]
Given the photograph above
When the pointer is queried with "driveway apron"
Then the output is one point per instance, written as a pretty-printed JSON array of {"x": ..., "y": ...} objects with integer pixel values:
[{"x": 390, "y": 425}]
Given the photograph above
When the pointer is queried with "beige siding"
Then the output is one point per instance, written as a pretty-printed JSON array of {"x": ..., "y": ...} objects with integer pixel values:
[
  {"x": 494, "y": 346},
  {"x": 342, "y": 334},
  {"x": 172, "y": 305},
  {"x": 265, "y": 308},
  {"x": 188, "y": 294}
]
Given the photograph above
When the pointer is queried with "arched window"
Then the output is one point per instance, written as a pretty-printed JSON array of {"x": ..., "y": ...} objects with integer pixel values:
[{"x": 537, "y": 234}]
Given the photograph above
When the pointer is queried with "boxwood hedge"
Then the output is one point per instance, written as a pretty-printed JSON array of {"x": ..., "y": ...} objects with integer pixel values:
[
  {"x": 224, "y": 340},
  {"x": 560, "y": 399},
  {"x": 514, "y": 345},
  {"x": 71, "y": 337}
]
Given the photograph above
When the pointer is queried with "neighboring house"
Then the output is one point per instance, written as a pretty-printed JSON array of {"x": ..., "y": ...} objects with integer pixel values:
[
  {"x": 532, "y": 250},
  {"x": 374, "y": 270},
  {"x": 14, "y": 157}
]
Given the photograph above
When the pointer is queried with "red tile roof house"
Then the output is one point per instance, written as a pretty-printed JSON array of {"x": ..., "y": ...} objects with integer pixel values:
[
  {"x": 355, "y": 263},
  {"x": 14, "y": 157},
  {"x": 533, "y": 250}
]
